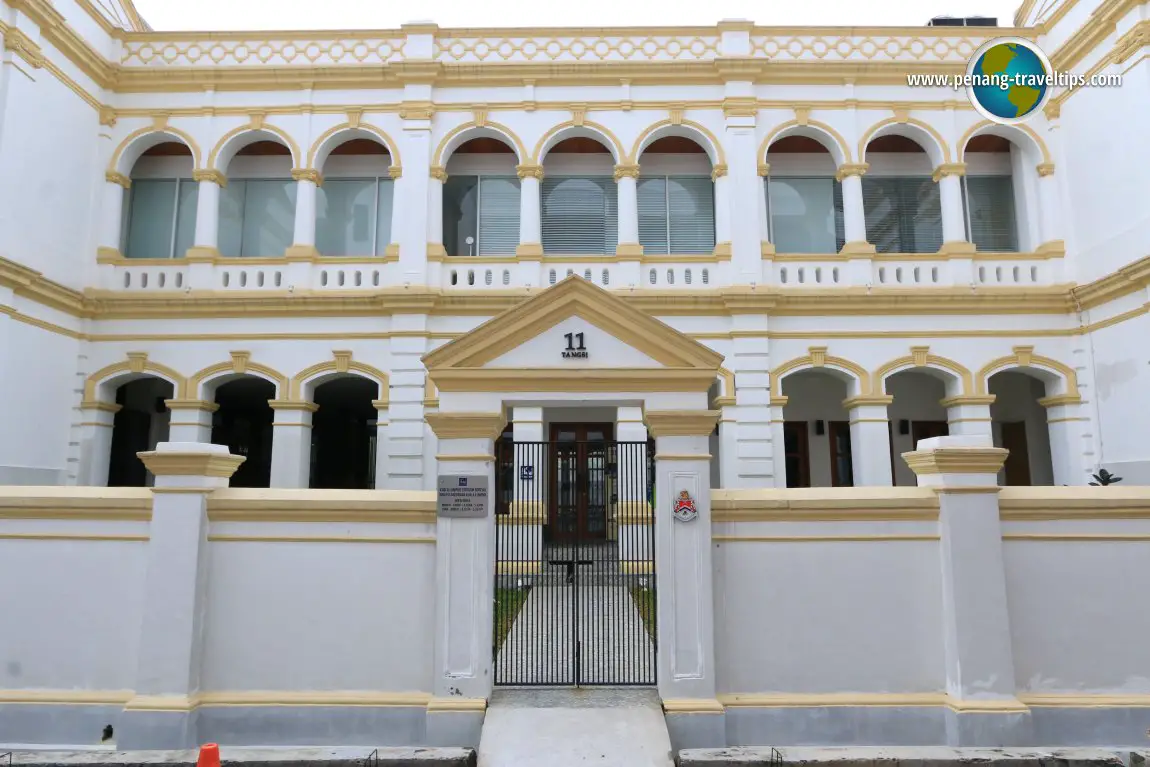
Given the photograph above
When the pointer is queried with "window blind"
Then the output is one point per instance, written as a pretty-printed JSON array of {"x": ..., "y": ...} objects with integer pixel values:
[
  {"x": 676, "y": 214},
  {"x": 498, "y": 215},
  {"x": 580, "y": 215},
  {"x": 161, "y": 218},
  {"x": 652, "y": 199},
  {"x": 991, "y": 221},
  {"x": 903, "y": 214},
  {"x": 805, "y": 214}
]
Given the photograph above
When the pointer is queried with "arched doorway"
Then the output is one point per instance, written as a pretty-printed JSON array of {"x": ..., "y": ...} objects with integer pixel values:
[
  {"x": 915, "y": 414},
  {"x": 816, "y": 430},
  {"x": 344, "y": 434},
  {"x": 244, "y": 423},
  {"x": 138, "y": 426},
  {"x": 1019, "y": 424}
]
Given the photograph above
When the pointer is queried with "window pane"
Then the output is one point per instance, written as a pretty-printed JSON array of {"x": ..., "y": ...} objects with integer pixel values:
[
  {"x": 903, "y": 215},
  {"x": 498, "y": 215},
  {"x": 652, "y": 194},
  {"x": 802, "y": 215},
  {"x": 461, "y": 215},
  {"x": 990, "y": 210},
  {"x": 186, "y": 216},
  {"x": 691, "y": 210},
  {"x": 150, "y": 220},
  {"x": 269, "y": 217},
  {"x": 232, "y": 218},
  {"x": 345, "y": 217},
  {"x": 580, "y": 215},
  {"x": 383, "y": 215}
]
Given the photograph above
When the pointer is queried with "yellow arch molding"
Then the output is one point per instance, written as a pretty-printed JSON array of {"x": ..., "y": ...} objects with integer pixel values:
[
  {"x": 136, "y": 363},
  {"x": 816, "y": 359},
  {"x": 1023, "y": 358},
  {"x": 293, "y": 147},
  {"x": 240, "y": 364},
  {"x": 386, "y": 140},
  {"x": 602, "y": 130},
  {"x": 197, "y": 153},
  {"x": 520, "y": 148},
  {"x": 720, "y": 155},
  {"x": 817, "y": 125},
  {"x": 342, "y": 364},
  {"x": 933, "y": 361},
  {"x": 866, "y": 139},
  {"x": 974, "y": 129}
]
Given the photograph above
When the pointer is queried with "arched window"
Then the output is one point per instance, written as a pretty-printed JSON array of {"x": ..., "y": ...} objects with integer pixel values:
[
  {"x": 159, "y": 214},
  {"x": 804, "y": 201},
  {"x": 902, "y": 201},
  {"x": 676, "y": 198}
]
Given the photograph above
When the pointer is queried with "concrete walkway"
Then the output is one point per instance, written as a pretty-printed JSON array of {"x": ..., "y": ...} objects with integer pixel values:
[
  {"x": 614, "y": 647},
  {"x": 562, "y": 728}
]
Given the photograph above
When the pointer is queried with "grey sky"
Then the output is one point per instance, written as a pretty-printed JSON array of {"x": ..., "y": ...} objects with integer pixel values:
[{"x": 388, "y": 14}]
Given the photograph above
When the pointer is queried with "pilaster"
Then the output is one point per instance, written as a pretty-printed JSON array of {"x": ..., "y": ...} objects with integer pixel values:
[
  {"x": 755, "y": 446},
  {"x": 191, "y": 420},
  {"x": 291, "y": 443},
  {"x": 96, "y": 423},
  {"x": 870, "y": 441},
  {"x": 408, "y": 437}
]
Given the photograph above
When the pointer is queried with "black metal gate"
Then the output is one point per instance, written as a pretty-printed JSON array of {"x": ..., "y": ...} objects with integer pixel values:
[{"x": 575, "y": 564}]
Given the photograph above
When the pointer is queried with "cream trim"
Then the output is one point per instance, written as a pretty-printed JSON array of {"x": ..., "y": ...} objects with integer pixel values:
[
  {"x": 805, "y": 128},
  {"x": 816, "y": 358},
  {"x": 538, "y": 154},
  {"x": 823, "y": 538},
  {"x": 172, "y": 464},
  {"x": 997, "y": 129},
  {"x": 254, "y": 126},
  {"x": 920, "y": 358},
  {"x": 331, "y": 133},
  {"x": 681, "y": 423},
  {"x": 516, "y": 143},
  {"x": 137, "y": 365},
  {"x": 342, "y": 364},
  {"x": 74, "y": 537},
  {"x": 219, "y": 538},
  {"x": 861, "y": 504},
  {"x": 872, "y": 132},
  {"x": 716, "y": 154},
  {"x": 957, "y": 460},
  {"x": 872, "y": 700},
  {"x": 285, "y": 505},
  {"x": 1023, "y": 357},
  {"x": 240, "y": 365},
  {"x": 466, "y": 425},
  {"x": 180, "y": 136}
]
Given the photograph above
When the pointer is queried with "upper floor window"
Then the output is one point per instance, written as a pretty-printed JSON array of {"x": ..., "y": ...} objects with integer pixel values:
[
  {"x": 481, "y": 215},
  {"x": 990, "y": 217},
  {"x": 353, "y": 216},
  {"x": 257, "y": 207},
  {"x": 903, "y": 213},
  {"x": 161, "y": 218},
  {"x": 676, "y": 214},
  {"x": 805, "y": 214},
  {"x": 580, "y": 215}
]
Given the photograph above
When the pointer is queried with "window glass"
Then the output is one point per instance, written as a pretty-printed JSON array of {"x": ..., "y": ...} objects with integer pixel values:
[
  {"x": 269, "y": 217},
  {"x": 150, "y": 221},
  {"x": 580, "y": 215},
  {"x": 186, "y": 217},
  {"x": 461, "y": 215},
  {"x": 991, "y": 218},
  {"x": 903, "y": 214},
  {"x": 384, "y": 202},
  {"x": 345, "y": 217},
  {"x": 803, "y": 215}
]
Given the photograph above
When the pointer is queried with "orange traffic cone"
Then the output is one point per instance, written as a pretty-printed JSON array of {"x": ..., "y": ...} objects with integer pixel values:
[{"x": 209, "y": 756}]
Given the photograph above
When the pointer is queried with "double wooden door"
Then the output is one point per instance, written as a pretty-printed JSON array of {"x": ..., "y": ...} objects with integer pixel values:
[{"x": 578, "y": 493}]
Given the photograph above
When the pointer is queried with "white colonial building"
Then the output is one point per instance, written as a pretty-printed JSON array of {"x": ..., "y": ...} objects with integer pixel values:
[{"x": 362, "y": 259}]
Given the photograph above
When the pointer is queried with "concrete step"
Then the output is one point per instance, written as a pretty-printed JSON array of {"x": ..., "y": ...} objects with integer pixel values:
[
  {"x": 913, "y": 756},
  {"x": 610, "y": 727},
  {"x": 253, "y": 757}
]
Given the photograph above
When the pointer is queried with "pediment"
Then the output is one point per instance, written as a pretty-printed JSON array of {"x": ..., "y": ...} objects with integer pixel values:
[{"x": 570, "y": 335}]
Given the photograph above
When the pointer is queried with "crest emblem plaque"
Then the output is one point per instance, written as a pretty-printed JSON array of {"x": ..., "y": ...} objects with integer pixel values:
[{"x": 685, "y": 510}]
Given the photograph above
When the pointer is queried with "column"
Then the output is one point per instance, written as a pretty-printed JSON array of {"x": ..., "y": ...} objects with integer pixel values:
[
  {"x": 949, "y": 180},
  {"x": 291, "y": 443},
  {"x": 521, "y": 530},
  {"x": 191, "y": 420},
  {"x": 722, "y": 210},
  {"x": 627, "y": 178},
  {"x": 96, "y": 424},
  {"x": 207, "y": 236},
  {"x": 112, "y": 216},
  {"x": 162, "y": 715},
  {"x": 1069, "y": 446},
  {"x": 530, "y": 211},
  {"x": 768, "y": 248},
  {"x": 307, "y": 185},
  {"x": 382, "y": 424},
  {"x": 398, "y": 193},
  {"x": 464, "y": 561},
  {"x": 686, "y": 642},
  {"x": 633, "y": 514},
  {"x": 729, "y": 446},
  {"x": 968, "y": 416},
  {"x": 779, "y": 441},
  {"x": 870, "y": 441},
  {"x": 854, "y": 214},
  {"x": 1051, "y": 213},
  {"x": 742, "y": 197},
  {"x": 983, "y": 709},
  {"x": 435, "y": 212}
]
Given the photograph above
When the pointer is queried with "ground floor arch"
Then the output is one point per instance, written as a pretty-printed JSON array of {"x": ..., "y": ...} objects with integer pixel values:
[
  {"x": 343, "y": 433},
  {"x": 916, "y": 413},
  {"x": 816, "y": 429},
  {"x": 1019, "y": 424},
  {"x": 139, "y": 424},
  {"x": 243, "y": 421}
]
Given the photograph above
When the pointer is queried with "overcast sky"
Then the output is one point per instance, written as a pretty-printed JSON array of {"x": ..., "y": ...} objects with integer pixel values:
[{"x": 389, "y": 14}]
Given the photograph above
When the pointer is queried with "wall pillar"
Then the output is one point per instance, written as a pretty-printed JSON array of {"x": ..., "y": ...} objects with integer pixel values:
[
  {"x": 408, "y": 437},
  {"x": 779, "y": 441},
  {"x": 465, "y": 563},
  {"x": 722, "y": 208},
  {"x": 633, "y": 514},
  {"x": 949, "y": 180},
  {"x": 382, "y": 427},
  {"x": 530, "y": 211},
  {"x": 983, "y": 707},
  {"x": 96, "y": 423},
  {"x": 206, "y": 242},
  {"x": 854, "y": 211},
  {"x": 870, "y": 440},
  {"x": 750, "y": 362},
  {"x": 162, "y": 714},
  {"x": 112, "y": 215},
  {"x": 627, "y": 179},
  {"x": 1053, "y": 236},
  {"x": 686, "y": 646},
  {"x": 421, "y": 226},
  {"x": 729, "y": 446},
  {"x": 1068, "y": 445},
  {"x": 768, "y": 247},
  {"x": 970, "y": 416},
  {"x": 191, "y": 420},
  {"x": 521, "y": 532},
  {"x": 307, "y": 186},
  {"x": 291, "y": 443},
  {"x": 741, "y": 176}
]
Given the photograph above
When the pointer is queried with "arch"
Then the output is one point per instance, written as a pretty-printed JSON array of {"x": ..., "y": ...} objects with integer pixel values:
[
  {"x": 139, "y": 141},
  {"x": 1020, "y": 134},
  {"x": 812, "y": 129},
  {"x": 331, "y": 138},
  {"x": 111, "y": 377},
  {"x": 923, "y": 134},
  {"x": 239, "y": 365},
  {"x": 857, "y": 378},
  {"x": 461, "y": 134},
  {"x": 304, "y": 383},
  {"x": 571, "y": 129},
  {"x": 958, "y": 379},
  {"x": 237, "y": 138},
  {"x": 1049, "y": 371},
  {"x": 689, "y": 129}
]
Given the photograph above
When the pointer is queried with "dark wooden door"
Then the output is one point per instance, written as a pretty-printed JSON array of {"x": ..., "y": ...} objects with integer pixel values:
[
  {"x": 798, "y": 456},
  {"x": 842, "y": 466},
  {"x": 577, "y": 497},
  {"x": 1017, "y": 466},
  {"x": 920, "y": 430}
]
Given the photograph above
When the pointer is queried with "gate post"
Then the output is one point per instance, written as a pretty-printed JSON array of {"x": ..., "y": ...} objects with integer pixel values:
[
  {"x": 464, "y": 578},
  {"x": 686, "y": 641}
]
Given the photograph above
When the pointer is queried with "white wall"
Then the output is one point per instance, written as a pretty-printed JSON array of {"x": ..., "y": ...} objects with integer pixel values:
[{"x": 1122, "y": 373}]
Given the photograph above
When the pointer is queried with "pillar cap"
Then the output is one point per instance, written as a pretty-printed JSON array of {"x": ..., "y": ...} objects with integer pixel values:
[
  {"x": 956, "y": 460},
  {"x": 191, "y": 404},
  {"x": 869, "y": 400},
  {"x": 968, "y": 399},
  {"x": 191, "y": 459},
  {"x": 466, "y": 425},
  {"x": 681, "y": 423},
  {"x": 283, "y": 404}
]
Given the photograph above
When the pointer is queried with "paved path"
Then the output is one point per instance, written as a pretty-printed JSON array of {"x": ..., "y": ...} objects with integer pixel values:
[
  {"x": 613, "y": 642},
  {"x": 558, "y": 728}
]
